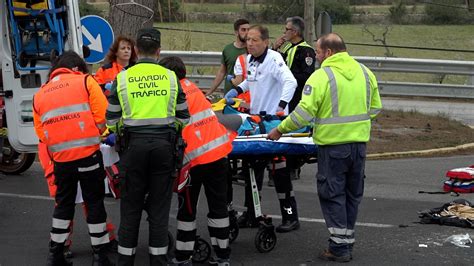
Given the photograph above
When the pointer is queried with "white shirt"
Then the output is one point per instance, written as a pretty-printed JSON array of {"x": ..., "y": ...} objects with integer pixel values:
[{"x": 269, "y": 82}]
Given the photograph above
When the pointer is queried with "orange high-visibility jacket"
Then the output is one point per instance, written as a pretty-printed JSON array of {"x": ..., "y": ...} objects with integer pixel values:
[
  {"x": 207, "y": 139},
  {"x": 243, "y": 62},
  {"x": 69, "y": 115},
  {"x": 107, "y": 72}
]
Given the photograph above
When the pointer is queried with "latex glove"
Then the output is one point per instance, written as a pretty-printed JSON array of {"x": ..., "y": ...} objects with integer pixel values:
[
  {"x": 280, "y": 109},
  {"x": 108, "y": 86},
  {"x": 230, "y": 95},
  {"x": 229, "y": 78},
  {"x": 110, "y": 140}
]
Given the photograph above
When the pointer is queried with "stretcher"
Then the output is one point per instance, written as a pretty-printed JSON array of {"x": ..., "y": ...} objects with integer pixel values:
[{"x": 258, "y": 147}]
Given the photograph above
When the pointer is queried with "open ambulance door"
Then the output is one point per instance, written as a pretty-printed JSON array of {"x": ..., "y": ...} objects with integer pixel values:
[{"x": 32, "y": 32}]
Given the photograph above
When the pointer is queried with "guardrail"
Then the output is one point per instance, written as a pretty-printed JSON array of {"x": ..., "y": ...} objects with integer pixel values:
[{"x": 196, "y": 59}]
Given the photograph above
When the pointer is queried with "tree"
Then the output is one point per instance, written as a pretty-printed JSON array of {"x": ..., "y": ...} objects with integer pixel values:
[
  {"x": 126, "y": 19},
  {"x": 309, "y": 33}
]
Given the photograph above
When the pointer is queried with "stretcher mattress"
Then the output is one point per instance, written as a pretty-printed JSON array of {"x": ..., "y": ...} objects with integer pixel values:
[{"x": 284, "y": 146}]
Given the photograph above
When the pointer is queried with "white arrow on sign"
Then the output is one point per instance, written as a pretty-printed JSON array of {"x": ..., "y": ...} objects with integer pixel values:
[{"x": 96, "y": 43}]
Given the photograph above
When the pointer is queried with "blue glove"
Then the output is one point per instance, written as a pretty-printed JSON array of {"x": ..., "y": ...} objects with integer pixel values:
[
  {"x": 108, "y": 86},
  {"x": 229, "y": 77},
  {"x": 110, "y": 140},
  {"x": 230, "y": 95}
]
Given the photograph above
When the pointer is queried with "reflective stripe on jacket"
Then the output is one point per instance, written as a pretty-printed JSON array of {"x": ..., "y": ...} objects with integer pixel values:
[
  {"x": 340, "y": 99},
  {"x": 207, "y": 139},
  {"x": 292, "y": 51},
  {"x": 63, "y": 117},
  {"x": 148, "y": 95}
]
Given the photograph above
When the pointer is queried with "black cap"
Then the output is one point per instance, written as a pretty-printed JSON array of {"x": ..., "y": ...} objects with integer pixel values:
[{"x": 149, "y": 34}]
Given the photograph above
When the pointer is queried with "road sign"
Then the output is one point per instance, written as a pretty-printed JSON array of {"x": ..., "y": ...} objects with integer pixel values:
[
  {"x": 323, "y": 24},
  {"x": 97, "y": 34}
]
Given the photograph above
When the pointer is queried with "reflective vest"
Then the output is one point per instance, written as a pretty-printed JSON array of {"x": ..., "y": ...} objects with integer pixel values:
[
  {"x": 207, "y": 139},
  {"x": 292, "y": 51},
  {"x": 147, "y": 93},
  {"x": 243, "y": 63},
  {"x": 66, "y": 118}
]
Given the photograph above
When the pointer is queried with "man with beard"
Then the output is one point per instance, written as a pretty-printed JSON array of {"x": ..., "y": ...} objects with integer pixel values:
[{"x": 229, "y": 56}]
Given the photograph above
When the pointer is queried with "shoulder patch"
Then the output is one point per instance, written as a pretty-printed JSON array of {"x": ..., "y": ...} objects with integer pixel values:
[
  {"x": 307, "y": 89},
  {"x": 308, "y": 60}
]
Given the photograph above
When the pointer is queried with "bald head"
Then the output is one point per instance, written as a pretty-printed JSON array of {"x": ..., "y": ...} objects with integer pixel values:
[
  {"x": 329, "y": 44},
  {"x": 332, "y": 41}
]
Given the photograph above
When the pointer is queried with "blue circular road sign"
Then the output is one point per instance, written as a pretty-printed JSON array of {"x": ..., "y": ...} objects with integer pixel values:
[{"x": 97, "y": 34}]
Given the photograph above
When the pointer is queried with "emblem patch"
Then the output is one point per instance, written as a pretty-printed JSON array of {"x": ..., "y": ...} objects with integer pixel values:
[
  {"x": 308, "y": 60},
  {"x": 307, "y": 89}
]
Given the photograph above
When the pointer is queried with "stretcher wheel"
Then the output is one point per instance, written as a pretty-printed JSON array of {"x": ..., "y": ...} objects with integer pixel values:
[
  {"x": 233, "y": 231},
  {"x": 202, "y": 250},
  {"x": 265, "y": 240},
  {"x": 233, "y": 226}
]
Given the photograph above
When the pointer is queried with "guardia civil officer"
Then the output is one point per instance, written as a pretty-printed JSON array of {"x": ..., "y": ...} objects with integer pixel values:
[
  {"x": 69, "y": 117},
  {"x": 341, "y": 98},
  {"x": 150, "y": 103}
]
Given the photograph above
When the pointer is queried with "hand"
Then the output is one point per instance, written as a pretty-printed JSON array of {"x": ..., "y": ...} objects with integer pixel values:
[
  {"x": 280, "y": 109},
  {"x": 229, "y": 78},
  {"x": 274, "y": 134},
  {"x": 279, "y": 42},
  {"x": 108, "y": 86},
  {"x": 110, "y": 140},
  {"x": 230, "y": 95}
]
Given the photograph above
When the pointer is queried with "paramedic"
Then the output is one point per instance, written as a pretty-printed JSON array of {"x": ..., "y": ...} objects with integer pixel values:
[
  {"x": 271, "y": 87},
  {"x": 69, "y": 117},
  {"x": 208, "y": 144},
  {"x": 148, "y": 100},
  {"x": 341, "y": 98}
]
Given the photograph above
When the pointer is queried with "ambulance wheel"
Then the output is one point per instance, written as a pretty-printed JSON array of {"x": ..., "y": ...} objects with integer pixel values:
[
  {"x": 202, "y": 250},
  {"x": 233, "y": 230},
  {"x": 265, "y": 240}
]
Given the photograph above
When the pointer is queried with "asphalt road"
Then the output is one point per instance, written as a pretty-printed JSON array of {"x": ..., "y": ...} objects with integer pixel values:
[
  {"x": 387, "y": 232},
  {"x": 461, "y": 111}
]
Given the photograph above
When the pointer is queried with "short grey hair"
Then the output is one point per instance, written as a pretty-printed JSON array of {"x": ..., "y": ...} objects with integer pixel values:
[{"x": 298, "y": 24}]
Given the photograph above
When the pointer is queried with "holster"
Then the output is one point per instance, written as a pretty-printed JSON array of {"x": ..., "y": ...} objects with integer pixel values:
[
  {"x": 121, "y": 141},
  {"x": 180, "y": 145}
]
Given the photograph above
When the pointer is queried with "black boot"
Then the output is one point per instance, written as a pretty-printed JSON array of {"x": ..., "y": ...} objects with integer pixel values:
[
  {"x": 99, "y": 256},
  {"x": 124, "y": 260},
  {"x": 158, "y": 260},
  {"x": 56, "y": 255}
]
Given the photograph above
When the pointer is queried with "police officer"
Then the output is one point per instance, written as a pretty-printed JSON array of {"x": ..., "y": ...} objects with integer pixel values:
[
  {"x": 208, "y": 144},
  {"x": 342, "y": 97},
  {"x": 69, "y": 117},
  {"x": 300, "y": 58},
  {"x": 150, "y": 103}
]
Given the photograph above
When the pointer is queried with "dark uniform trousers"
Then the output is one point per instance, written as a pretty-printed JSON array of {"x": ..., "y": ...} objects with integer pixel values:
[
  {"x": 340, "y": 184},
  {"x": 213, "y": 176},
  {"x": 283, "y": 188},
  {"x": 89, "y": 171},
  {"x": 146, "y": 166}
]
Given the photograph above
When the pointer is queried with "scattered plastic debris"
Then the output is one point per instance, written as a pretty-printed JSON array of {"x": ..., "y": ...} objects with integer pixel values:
[{"x": 462, "y": 240}]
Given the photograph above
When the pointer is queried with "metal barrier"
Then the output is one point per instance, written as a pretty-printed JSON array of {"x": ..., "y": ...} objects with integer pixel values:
[{"x": 196, "y": 59}]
